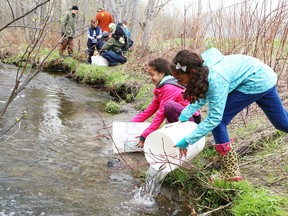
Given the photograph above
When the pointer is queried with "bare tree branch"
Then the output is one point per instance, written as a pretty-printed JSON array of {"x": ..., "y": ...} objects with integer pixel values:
[{"x": 18, "y": 18}]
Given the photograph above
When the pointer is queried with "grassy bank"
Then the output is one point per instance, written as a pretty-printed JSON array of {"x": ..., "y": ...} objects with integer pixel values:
[{"x": 125, "y": 83}]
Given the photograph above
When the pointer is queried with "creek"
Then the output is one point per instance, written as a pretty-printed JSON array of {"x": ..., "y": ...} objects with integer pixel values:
[{"x": 54, "y": 161}]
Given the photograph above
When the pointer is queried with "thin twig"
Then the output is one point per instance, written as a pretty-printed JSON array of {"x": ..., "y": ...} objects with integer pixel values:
[{"x": 217, "y": 209}]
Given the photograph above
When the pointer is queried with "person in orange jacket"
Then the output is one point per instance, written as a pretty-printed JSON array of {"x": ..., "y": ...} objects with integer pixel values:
[{"x": 104, "y": 19}]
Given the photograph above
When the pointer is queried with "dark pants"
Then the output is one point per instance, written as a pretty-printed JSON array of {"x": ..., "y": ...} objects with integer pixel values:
[
  {"x": 67, "y": 42},
  {"x": 268, "y": 101},
  {"x": 172, "y": 111},
  {"x": 91, "y": 49},
  {"x": 113, "y": 58}
]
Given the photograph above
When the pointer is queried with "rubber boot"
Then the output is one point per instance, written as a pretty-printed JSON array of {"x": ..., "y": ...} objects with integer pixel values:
[{"x": 229, "y": 163}]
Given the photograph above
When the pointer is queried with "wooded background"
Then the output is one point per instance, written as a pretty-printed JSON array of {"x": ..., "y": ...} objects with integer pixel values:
[
  {"x": 253, "y": 27},
  {"x": 248, "y": 27}
]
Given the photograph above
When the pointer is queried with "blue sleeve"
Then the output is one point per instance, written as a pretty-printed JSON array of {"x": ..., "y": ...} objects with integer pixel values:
[
  {"x": 217, "y": 97},
  {"x": 190, "y": 109}
]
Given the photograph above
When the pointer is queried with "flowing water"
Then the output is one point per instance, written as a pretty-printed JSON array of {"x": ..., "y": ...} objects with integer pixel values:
[
  {"x": 54, "y": 161},
  {"x": 147, "y": 195}
]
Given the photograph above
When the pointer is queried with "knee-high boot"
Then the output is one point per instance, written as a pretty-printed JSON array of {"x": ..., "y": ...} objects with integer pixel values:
[{"x": 229, "y": 163}]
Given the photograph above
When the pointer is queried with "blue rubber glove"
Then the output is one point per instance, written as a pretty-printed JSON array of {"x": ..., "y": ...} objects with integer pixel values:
[
  {"x": 182, "y": 144},
  {"x": 182, "y": 118}
]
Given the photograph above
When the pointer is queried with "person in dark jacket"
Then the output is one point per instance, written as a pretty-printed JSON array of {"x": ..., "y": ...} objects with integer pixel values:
[
  {"x": 113, "y": 50},
  {"x": 68, "y": 30},
  {"x": 94, "y": 39}
]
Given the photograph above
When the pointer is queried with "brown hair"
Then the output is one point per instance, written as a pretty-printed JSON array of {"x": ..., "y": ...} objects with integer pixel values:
[
  {"x": 161, "y": 65},
  {"x": 94, "y": 21},
  {"x": 198, "y": 86}
]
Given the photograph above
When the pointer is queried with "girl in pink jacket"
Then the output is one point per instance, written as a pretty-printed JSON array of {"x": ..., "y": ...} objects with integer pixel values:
[{"x": 168, "y": 100}]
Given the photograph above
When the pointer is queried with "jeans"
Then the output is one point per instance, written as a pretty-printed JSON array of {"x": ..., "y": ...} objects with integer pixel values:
[
  {"x": 113, "y": 58},
  {"x": 92, "y": 47},
  {"x": 268, "y": 101}
]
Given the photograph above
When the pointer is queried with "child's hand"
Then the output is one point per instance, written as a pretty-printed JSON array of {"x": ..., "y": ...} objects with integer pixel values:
[
  {"x": 140, "y": 144},
  {"x": 182, "y": 145},
  {"x": 182, "y": 152}
]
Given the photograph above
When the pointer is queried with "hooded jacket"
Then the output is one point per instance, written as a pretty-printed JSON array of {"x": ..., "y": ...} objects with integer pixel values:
[
  {"x": 167, "y": 89},
  {"x": 227, "y": 73},
  {"x": 112, "y": 44},
  {"x": 68, "y": 24}
]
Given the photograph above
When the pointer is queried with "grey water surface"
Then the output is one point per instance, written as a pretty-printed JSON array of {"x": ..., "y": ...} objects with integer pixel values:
[{"x": 54, "y": 161}]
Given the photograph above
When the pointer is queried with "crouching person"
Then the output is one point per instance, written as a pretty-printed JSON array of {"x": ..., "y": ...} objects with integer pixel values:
[{"x": 112, "y": 51}]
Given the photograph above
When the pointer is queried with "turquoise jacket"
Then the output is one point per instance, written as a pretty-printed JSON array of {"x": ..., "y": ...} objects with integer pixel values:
[{"x": 227, "y": 73}]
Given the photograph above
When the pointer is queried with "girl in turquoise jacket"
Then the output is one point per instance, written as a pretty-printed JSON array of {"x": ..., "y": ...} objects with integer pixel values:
[{"x": 228, "y": 84}]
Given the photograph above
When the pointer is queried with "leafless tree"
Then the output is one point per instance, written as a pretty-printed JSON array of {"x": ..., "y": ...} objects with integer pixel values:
[
  {"x": 24, "y": 73},
  {"x": 151, "y": 12}
]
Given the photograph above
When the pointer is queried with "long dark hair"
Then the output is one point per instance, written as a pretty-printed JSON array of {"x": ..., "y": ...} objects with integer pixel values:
[{"x": 189, "y": 62}]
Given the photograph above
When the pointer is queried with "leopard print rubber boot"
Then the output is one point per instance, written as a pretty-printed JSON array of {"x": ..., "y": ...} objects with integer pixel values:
[{"x": 229, "y": 163}]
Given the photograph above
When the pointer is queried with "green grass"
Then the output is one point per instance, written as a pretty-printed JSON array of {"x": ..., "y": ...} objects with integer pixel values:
[
  {"x": 144, "y": 96},
  {"x": 52, "y": 56},
  {"x": 113, "y": 107},
  {"x": 88, "y": 73},
  {"x": 241, "y": 198},
  {"x": 258, "y": 201},
  {"x": 71, "y": 63}
]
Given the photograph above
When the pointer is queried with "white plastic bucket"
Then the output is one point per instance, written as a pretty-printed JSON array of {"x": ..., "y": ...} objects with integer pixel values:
[
  {"x": 126, "y": 136},
  {"x": 159, "y": 150},
  {"x": 99, "y": 60}
]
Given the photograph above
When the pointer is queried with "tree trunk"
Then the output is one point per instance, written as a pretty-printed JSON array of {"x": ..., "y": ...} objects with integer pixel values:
[
  {"x": 135, "y": 18},
  {"x": 147, "y": 25},
  {"x": 112, "y": 7},
  {"x": 25, "y": 23},
  {"x": 151, "y": 12}
]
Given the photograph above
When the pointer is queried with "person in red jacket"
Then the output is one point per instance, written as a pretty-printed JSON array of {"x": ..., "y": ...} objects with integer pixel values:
[
  {"x": 104, "y": 19},
  {"x": 168, "y": 99}
]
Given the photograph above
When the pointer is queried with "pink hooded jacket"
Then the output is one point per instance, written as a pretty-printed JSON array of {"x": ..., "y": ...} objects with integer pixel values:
[{"x": 167, "y": 90}]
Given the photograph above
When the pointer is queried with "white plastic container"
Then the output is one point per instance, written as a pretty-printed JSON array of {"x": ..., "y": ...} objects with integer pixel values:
[
  {"x": 99, "y": 60},
  {"x": 159, "y": 146},
  {"x": 126, "y": 136}
]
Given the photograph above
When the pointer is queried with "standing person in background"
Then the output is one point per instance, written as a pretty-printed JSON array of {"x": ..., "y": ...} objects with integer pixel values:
[
  {"x": 128, "y": 34},
  {"x": 68, "y": 30},
  {"x": 94, "y": 39},
  {"x": 228, "y": 83},
  {"x": 104, "y": 19},
  {"x": 168, "y": 99},
  {"x": 125, "y": 27}
]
